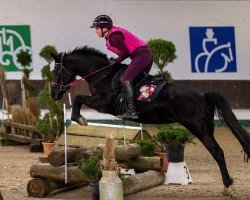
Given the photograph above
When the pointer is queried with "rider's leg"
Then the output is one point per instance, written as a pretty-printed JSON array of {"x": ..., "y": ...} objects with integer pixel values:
[
  {"x": 142, "y": 60},
  {"x": 131, "y": 112}
]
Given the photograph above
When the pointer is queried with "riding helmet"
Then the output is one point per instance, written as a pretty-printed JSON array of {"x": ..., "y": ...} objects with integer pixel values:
[{"x": 102, "y": 21}]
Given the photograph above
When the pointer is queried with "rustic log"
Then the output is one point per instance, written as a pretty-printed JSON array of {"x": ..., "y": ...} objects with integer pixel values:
[
  {"x": 39, "y": 187},
  {"x": 57, "y": 173},
  {"x": 142, "y": 181},
  {"x": 57, "y": 155},
  {"x": 124, "y": 152},
  {"x": 144, "y": 163}
]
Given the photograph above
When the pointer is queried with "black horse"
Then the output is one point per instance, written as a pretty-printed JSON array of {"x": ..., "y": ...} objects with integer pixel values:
[{"x": 175, "y": 103}]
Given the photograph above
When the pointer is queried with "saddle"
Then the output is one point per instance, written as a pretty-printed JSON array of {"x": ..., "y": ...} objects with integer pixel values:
[{"x": 146, "y": 87}]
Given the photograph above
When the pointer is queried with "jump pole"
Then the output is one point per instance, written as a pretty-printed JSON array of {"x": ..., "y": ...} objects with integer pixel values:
[
  {"x": 70, "y": 102},
  {"x": 141, "y": 131},
  {"x": 65, "y": 145}
]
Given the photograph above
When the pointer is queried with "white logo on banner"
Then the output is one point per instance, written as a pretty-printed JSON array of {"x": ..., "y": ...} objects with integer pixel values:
[
  {"x": 12, "y": 52},
  {"x": 208, "y": 55}
]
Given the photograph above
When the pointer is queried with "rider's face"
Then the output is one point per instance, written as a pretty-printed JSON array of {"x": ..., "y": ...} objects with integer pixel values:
[{"x": 99, "y": 31}]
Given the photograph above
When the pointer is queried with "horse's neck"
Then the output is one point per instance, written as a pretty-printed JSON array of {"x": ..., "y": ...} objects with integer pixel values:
[
  {"x": 96, "y": 74},
  {"x": 102, "y": 81}
]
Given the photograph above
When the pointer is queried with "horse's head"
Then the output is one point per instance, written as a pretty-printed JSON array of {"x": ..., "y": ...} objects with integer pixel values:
[
  {"x": 83, "y": 61},
  {"x": 62, "y": 76}
]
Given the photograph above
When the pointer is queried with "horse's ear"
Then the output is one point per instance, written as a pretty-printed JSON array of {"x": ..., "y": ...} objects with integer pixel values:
[{"x": 55, "y": 57}]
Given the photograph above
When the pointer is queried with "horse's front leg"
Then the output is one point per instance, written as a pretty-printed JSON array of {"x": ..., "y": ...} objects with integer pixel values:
[{"x": 90, "y": 101}]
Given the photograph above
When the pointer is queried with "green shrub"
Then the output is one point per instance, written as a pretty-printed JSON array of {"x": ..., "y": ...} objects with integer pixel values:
[
  {"x": 46, "y": 51},
  {"x": 91, "y": 169},
  {"x": 173, "y": 135},
  {"x": 24, "y": 58},
  {"x": 46, "y": 73},
  {"x": 164, "y": 52},
  {"x": 148, "y": 146}
]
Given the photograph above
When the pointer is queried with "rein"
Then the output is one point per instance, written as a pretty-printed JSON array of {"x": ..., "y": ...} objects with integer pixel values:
[{"x": 75, "y": 82}]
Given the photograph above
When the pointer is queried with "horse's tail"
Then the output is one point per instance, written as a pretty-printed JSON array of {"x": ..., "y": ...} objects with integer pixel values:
[{"x": 218, "y": 102}]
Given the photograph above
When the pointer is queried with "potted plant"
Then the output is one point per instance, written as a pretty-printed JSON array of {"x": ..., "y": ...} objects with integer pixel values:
[
  {"x": 51, "y": 124},
  {"x": 164, "y": 53},
  {"x": 174, "y": 138},
  {"x": 91, "y": 169},
  {"x": 148, "y": 146}
]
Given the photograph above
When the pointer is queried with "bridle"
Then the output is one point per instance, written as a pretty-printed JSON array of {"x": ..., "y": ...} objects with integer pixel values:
[{"x": 61, "y": 85}]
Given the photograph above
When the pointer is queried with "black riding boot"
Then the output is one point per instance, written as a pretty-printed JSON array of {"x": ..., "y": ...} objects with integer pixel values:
[{"x": 131, "y": 112}]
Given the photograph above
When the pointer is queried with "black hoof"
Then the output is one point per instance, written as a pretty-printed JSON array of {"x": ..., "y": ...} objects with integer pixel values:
[{"x": 80, "y": 120}]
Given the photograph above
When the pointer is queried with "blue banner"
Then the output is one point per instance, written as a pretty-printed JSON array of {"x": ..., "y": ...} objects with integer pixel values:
[{"x": 212, "y": 49}]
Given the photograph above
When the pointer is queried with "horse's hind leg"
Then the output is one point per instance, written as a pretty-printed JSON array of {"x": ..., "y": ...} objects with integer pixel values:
[
  {"x": 206, "y": 136},
  {"x": 213, "y": 147}
]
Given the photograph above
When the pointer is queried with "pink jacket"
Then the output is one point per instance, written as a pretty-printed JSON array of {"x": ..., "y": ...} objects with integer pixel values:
[{"x": 131, "y": 41}]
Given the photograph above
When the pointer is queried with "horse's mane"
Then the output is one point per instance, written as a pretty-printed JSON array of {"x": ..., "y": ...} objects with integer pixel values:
[{"x": 85, "y": 50}]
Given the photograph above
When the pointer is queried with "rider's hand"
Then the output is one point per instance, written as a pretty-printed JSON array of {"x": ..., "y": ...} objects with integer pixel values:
[{"x": 112, "y": 62}]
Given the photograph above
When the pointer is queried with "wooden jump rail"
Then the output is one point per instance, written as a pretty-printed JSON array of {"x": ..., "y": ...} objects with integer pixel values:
[{"x": 17, "y": 134}]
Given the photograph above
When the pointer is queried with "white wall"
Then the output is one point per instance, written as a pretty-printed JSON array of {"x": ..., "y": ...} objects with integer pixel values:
[{"x": 65, "y": 24}]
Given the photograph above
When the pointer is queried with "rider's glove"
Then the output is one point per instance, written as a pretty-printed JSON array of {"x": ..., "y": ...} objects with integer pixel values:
[{"x": 112, "y": 62}]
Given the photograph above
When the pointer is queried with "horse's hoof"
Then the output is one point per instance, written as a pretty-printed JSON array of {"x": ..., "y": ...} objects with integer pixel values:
[
  {"x": 82, "y": 121},
  {"x": 230, "y": 191}
]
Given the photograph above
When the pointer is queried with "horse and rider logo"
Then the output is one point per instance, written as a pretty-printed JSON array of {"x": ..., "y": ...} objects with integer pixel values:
[
  {"x": 13, "y": 39},
  {"x": 212, "y": 49}
]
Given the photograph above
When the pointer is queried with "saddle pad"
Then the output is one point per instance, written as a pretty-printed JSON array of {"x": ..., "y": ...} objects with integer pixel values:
[{"x": 148, "y": 92}]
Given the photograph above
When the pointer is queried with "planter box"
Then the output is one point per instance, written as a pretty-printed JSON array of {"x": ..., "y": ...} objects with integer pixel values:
[{"x": 175, "y": 153}]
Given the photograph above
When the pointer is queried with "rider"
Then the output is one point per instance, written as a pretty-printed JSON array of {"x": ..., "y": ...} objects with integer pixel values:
[{"x": 125, "y": 44}]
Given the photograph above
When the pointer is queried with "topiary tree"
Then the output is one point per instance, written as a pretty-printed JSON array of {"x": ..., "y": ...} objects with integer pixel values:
[
  {"x": 46, "y": 53},
  {"x": 164, "y": 52},
  {"x": 24, "y": 58},
  {"x": 51, "y": 125}
]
